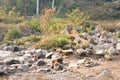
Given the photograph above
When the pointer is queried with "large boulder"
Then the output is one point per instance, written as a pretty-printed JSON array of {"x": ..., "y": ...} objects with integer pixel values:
[{"x": 101, "y": 48}]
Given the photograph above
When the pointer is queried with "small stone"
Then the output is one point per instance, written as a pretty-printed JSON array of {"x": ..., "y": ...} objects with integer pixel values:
[
  {"x": 118, "y": 46},
  {"x": 38, "y": 56},
  {"x": 8, "y": 48},
  {"x": 77, "y": 39},
  {"x": 81, "y": 52},
  {"x": 2, "y": 72},
  {"x": 17, "y": 48},
  {"x": 41, "y": 63},
  {"x": 102, "y": 75},
  {"x": 108, "y": 57},
  {"x": 57, "y": 58},
  {"x": 100, "y": 52},
  {"x": 57, "y": 66},
  {"x": 67, "y": 52},
  {"x": 49, "y": 55},
  {"x": 58, "y": 50},
  {"x": 38, "y": 51}
]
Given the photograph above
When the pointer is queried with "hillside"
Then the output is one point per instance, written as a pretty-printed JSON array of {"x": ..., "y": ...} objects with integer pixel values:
[{"x": 97, "y": 9}]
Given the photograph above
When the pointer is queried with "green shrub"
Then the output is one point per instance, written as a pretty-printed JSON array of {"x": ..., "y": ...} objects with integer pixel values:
[
  {"x": 76, "y": 17},
  {"x": 56, "y": 25},
  {"x": 11, "y": 17},
  {"x": 54, "y": 41},
  {"x": 13, "y": 33},
  {"x": 31, "y": 38},
  {"x": 34, "y": 24},
  {"x": 118, "y": 34}
]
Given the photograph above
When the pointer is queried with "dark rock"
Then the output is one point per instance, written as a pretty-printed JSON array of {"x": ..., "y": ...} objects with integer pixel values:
[
  {"x": 10, "y": 61},
  {"x": 17, "y": 48},
  {"x": 57, "y": 66},
  {"x": 41, "y": 63},
  {"x": 38, "y": 56},
  {"x": 2, "y": 72},
  {"x": 82, "y": 52}
]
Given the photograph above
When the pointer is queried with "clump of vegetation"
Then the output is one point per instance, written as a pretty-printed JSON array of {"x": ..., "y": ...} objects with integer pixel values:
[
  {"x": 31, "y": 38},
  {"x": 57, "y": 24},
  {"x": 54, "y": 41},
  {"x": 11, "y": 17},
  {"x": 118, "y": 35},
  {"x": 34, "y": 24},
  {"x": 45, "y": 18},
  {"x": 76, "y": 17},
  {"x": 13, "y": 33}
]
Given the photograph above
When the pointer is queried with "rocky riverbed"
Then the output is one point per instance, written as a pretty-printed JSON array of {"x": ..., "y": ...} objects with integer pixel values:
[{"x": 88, "y": 57}]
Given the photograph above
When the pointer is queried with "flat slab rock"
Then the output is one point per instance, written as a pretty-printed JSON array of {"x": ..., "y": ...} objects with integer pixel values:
[{"x": 5, "y": 54}]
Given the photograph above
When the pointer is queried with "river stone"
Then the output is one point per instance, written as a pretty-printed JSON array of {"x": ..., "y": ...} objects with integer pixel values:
[
  {"x": 101, "y": 48},
  {"x": 57, "y": 66},
  {"x": 38, "y": 51},
  {"x": 30, "y": 51},
  {"x": 2, "y": 72},
  {"x": 77, "y": 39},
  {"x": 10, "y": 61},
  {"x": 85, "y": 35},
  {"x": 49, "y": 55},
  {"x": 113, "y": 51},
  {"x": 57, "y": 58},
  {"x": 38, "y": 56},
  {"x": 8, "y": 48},
  {"x": 94, "y": 32},
  {"x": 67, "y": 52},
  {"x": 5, "y": 54},
  {"x": 17, "y": 48},
  {"x": 82, "y": 52},
  {"x": 118, "y": 46},
  {"x": 59, "y": 50},
  {"x": 108, "y": 57},
  {"x": 41, "y": 63}
]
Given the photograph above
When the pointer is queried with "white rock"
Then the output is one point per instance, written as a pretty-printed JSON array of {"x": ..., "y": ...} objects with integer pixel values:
[
  {"x": 118, "y": 46},
  {"x": 5, "y": 54}
]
